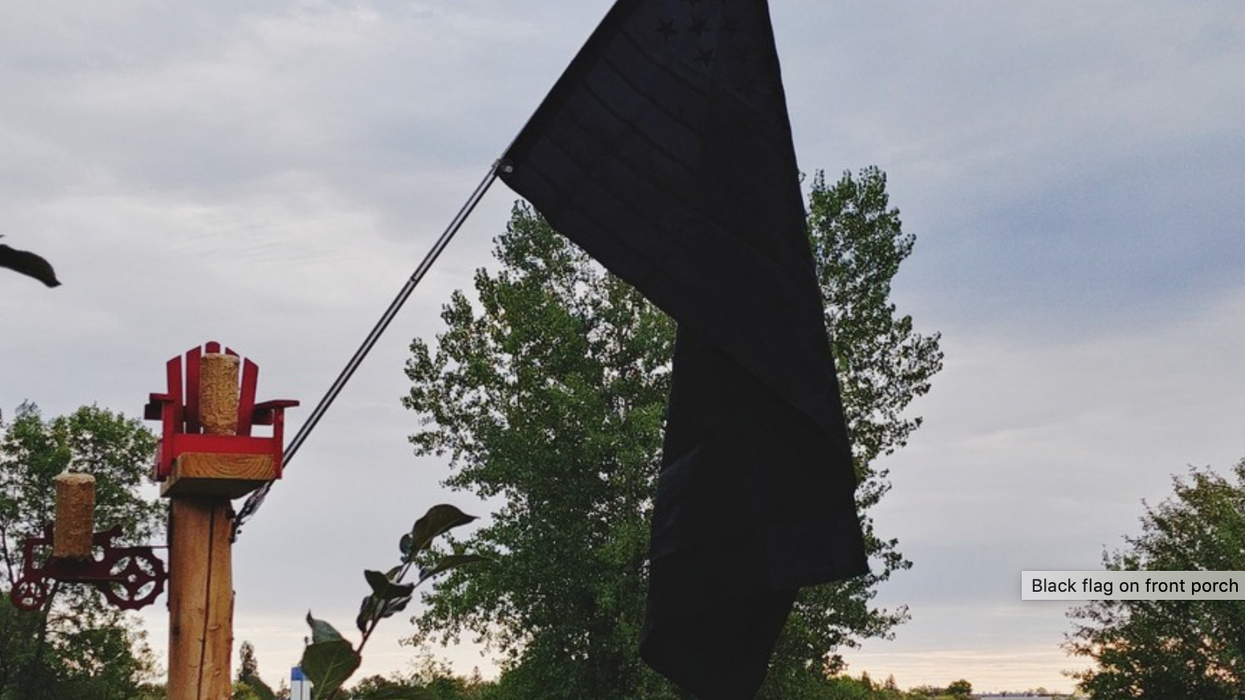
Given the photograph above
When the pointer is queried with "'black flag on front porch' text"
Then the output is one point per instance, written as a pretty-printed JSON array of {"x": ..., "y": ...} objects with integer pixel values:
[{"x": 665, "y": 151}]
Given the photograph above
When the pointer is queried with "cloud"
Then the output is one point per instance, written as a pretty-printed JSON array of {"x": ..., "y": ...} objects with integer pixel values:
[
  {"x": 1059, "y": 163},
  {"x": 268, "y": 175}
]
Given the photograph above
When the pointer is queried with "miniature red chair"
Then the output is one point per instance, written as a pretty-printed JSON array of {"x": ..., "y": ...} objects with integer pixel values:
[{"x": 182, "y": 433}]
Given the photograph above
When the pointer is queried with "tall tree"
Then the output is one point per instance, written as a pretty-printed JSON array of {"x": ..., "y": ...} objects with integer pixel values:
[
  {"x": 883, "y": 364},
  {"x": 76, "y": 646},
  {"x": 248, "y": 685},
  {"x": 551, "y": 396},
  {"x": 248, "y": 665},
  {"x": 1150, "y": 649}
]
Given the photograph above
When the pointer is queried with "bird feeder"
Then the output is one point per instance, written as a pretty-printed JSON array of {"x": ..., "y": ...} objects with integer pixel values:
[
  {"x": 75, "y": 516},
  {"x": 206, "y": 444},
  {"x": 71, "y": 551},
  {"x": 208, "y": 455}
]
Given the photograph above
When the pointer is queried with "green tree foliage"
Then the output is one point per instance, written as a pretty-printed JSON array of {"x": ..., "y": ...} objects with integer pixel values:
[
  {"x": 961, "y": 689},
  {"x": 248, "y": 665},
  {"x": 845, "y": 687},
  {"x": 250, "y": 690},
  {"x": 432, "y": 681},
  {"x": 248, "y": 685},
  {"x": 76, "y": 646},
  {"x": 441, "y": 683},
  {"x": 858, "y": 245},
  {"x": 551, "y": 397},
  {"x": 1150, "y": 649},
  {"x": 376, "y": 687}
]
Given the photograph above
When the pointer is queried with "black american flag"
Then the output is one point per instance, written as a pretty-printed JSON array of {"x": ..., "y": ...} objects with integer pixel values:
[{"x": 665, "y": 151}]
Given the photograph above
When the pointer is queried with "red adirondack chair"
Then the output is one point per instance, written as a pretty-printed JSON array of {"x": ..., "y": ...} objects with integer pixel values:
[{"x": 178, "y": 411}]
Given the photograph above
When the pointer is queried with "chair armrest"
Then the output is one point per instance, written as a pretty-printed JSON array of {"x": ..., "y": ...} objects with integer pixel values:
[
  {"x": 154, "y": 410},
  {"x": 265, "y": 410}
]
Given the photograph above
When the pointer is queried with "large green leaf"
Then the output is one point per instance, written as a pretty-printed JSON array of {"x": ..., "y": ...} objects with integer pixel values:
[
  {"x": 322, "y": 631},
  {"x": 367, "y": 613},
  {"x": 384, "y": 587},
  {"x": 386, "y": 599},
  {"x": 452, "y": 561},
  {"x": 328, "y": 665},
  {"x": 438, "y": 520}
]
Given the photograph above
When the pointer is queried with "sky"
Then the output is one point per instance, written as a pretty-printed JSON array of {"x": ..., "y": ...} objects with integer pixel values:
[{"x": 269, "y": 174}]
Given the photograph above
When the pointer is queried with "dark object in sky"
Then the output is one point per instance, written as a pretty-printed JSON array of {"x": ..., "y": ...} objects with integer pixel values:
[
  {"x": 665, "y": 151},
  {"x": 28, "y": 264}
]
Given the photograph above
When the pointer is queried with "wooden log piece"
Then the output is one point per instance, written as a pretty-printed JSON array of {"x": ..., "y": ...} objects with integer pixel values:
[
  {"x": 218, "y": 394},
  {"x": 75, "y": 516},
  {"x": 229, "y": 475}
]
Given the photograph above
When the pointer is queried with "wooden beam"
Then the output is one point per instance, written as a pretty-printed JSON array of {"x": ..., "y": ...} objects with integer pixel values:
[
  {"x": 229, "y": 475},
  {"x": 200, "y": 598}
]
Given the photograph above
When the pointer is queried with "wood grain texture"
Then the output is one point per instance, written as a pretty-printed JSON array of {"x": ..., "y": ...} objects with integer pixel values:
[
  {"x": 75, "y": 516},
  {"x": 200, "y": 599},
  {"x": 230, "y": 475},
  {"x": 218, "y": 394}
]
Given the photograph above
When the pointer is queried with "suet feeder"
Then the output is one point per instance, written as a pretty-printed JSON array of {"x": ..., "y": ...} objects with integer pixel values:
[
  {"x": 75, "y": 516},
  {"x": 72, "y": 552},
  {"x": 207, "y": 418}
]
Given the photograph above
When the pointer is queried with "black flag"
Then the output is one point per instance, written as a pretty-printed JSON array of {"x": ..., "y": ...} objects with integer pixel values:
[{"x": 665, "y": 151}]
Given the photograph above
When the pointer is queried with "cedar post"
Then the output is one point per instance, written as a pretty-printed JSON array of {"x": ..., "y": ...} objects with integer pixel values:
[{"x": 200, "y": 560}]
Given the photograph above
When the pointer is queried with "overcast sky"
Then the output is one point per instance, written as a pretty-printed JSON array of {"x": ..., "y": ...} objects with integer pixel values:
[{"x": 268, "y": 175}]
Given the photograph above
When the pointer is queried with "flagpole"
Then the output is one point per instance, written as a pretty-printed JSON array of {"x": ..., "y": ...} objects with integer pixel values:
[{"x": 257, "y": 498}]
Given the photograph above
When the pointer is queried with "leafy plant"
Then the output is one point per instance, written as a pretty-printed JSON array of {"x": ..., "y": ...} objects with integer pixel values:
[{"x": 330, "y": 659}]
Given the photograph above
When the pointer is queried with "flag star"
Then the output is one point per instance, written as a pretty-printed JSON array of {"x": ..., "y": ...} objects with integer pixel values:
[
  {"x": 729, "y": 24},
  {"x": 665, "y": 27},
  {"x": 705, "y": 56},
  {"x": 699, "y": 26}
]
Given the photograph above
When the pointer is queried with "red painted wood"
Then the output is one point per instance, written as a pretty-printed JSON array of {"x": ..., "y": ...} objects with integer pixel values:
[
  {"x": 172, "y": 416},
  {"x": 178, "y": 411},
  {"x": 194, "y": 363},
  {"x": 265, "y": 410},
  {"x": 246, "y": 397},
  {"x": 154, "y": 410}
]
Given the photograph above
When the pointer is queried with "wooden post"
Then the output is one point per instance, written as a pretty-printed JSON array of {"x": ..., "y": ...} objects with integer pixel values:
[{"x": 200, "y": 560}]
